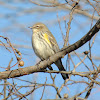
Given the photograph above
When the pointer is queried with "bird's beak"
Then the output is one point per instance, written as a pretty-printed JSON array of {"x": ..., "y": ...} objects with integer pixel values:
[{"x": 30, "y": 27}]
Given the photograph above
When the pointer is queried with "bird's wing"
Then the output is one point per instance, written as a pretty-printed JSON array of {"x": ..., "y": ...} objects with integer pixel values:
[{"x": 49, "y": 38}]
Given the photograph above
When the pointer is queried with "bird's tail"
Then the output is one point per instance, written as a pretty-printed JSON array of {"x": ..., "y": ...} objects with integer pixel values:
[{"x": 61, "y": 68}]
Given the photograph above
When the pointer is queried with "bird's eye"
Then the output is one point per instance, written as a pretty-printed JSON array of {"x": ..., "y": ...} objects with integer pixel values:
[{"x": 37, "y": 26}]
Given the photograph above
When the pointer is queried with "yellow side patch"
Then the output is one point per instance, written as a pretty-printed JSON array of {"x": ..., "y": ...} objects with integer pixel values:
[{"x": 47, "y": 38}]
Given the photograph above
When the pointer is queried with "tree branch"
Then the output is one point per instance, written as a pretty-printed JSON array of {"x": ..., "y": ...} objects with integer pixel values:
[{"x": 43, "y": 64}]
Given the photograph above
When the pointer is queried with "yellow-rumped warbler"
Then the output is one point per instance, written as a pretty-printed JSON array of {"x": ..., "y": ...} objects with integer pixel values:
[{"x": 45, "y": 45}]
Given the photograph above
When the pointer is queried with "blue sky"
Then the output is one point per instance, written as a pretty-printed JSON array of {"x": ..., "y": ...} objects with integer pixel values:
[{"x": 15, "y": 19}]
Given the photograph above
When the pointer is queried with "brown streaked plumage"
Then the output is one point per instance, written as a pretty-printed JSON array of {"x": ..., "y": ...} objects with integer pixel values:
[{"x": 45, "y": 45}]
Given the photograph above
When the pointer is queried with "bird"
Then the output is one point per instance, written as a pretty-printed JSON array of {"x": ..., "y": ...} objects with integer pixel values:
[{"x": 45, "y": 45}]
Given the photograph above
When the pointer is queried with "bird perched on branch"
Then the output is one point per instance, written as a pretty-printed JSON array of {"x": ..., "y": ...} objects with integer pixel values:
[{"x": 45, "y": 45}]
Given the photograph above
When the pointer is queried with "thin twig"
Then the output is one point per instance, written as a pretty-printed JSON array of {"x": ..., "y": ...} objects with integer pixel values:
[{"x": 43, "y": 89}]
